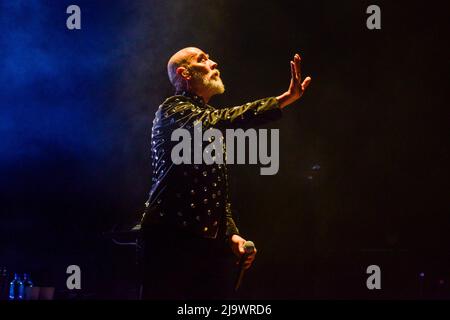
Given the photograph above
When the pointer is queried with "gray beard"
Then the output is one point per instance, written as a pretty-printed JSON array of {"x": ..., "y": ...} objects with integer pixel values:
[{"x": 215, "y": 86}]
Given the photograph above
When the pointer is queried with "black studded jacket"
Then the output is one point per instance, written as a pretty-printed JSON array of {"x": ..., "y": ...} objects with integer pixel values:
[{"x": 194, "y": 197}]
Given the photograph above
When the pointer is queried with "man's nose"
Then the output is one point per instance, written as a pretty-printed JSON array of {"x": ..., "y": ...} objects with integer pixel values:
[{"x": 213, "y": 64}]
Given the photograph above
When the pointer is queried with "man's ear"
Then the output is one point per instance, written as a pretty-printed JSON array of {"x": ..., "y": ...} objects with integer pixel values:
[{"x": 184, "y": 72}]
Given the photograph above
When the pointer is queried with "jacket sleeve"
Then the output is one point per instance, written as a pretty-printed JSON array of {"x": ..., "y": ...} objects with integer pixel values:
[
  {"x": 230, "y": 224},
  {"x": 247, "y": 115}
]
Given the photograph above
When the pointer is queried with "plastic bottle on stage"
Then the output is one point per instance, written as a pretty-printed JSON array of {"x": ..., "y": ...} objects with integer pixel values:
[
  {"x": 27, "y": 285},
  {"x": 16, "y": 288}
]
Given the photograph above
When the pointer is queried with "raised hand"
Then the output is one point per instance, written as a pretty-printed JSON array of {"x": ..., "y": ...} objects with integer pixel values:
[{"x": 296, "y": 87}]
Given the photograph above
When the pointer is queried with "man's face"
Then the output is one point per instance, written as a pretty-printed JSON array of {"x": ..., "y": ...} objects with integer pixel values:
[{"x": 205, "y": 75}]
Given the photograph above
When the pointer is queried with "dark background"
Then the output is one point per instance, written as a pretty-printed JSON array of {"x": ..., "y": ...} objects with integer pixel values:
[{"x": 76, "y": 109}]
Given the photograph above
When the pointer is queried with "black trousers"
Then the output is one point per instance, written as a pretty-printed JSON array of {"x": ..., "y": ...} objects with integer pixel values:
[{"x": 178, "y": 266}]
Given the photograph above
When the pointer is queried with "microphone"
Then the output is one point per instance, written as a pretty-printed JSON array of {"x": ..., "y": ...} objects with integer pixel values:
[{"x": 249, "y": 248}]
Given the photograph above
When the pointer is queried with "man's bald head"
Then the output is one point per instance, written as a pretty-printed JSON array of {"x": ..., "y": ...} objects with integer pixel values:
[
  {"x": 180, "y": 59},
  {"x": 191, "y": 69}
]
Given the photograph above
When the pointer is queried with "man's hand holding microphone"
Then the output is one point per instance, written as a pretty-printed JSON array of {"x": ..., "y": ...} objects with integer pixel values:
[{"x": 246, "y": 252}]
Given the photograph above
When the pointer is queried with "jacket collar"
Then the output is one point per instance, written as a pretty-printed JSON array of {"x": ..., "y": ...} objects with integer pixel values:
[{"x": 192, "y": 96}]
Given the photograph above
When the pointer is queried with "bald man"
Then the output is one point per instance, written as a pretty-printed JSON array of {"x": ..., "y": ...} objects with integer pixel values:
[{"x": 189, "y": 236}]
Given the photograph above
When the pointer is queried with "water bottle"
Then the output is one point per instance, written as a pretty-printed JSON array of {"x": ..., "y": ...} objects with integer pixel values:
[
  {"x": 27, "y": 285},
  {"x": 16, "y": 288}
]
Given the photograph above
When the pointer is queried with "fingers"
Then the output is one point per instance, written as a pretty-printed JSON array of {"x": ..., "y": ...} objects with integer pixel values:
[
  {"x": 248, "y": 264},
  {"x": 297, "y": 60},
  {"x": 296, "y": 68},
  {"x": 293, "y": 73},
  {"x": 248, "y": 261},
  {"x": 297, "y": 65},
  {"x": 305, "y": 83},
  {"x": 241, "y": 247}
]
